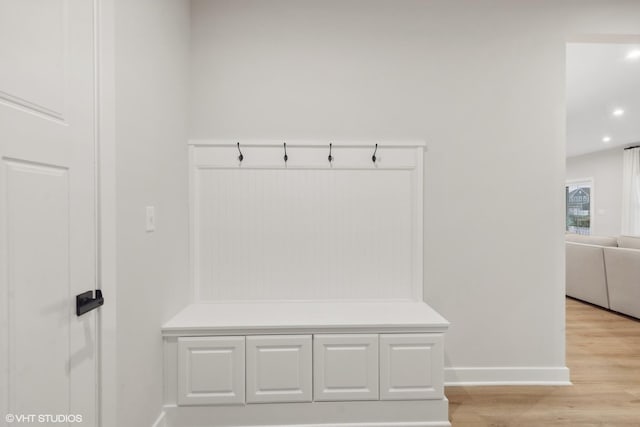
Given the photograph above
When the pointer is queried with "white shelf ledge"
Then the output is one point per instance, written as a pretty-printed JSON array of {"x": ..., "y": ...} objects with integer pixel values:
[
  {"x": 337, "y": 143},
  {"x": 246, "y": 318}
]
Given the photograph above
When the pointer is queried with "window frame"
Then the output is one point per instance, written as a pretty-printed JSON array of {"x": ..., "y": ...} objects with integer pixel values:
[{"x": 590, "y": 182}]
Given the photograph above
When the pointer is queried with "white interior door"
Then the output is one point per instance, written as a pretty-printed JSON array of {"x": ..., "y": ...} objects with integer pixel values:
[{"x": 47, "y": 213}]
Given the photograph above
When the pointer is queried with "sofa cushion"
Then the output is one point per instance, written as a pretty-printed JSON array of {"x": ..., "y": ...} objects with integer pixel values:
[
  {"x": 592, "y": 240},
  {"x": 585, "y": 271},
  {"x": 630, "y": 242},
  {"x": 623, "y": 273}
]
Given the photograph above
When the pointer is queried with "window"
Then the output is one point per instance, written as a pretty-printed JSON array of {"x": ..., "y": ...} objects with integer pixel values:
[{"x": 579, "y": 196}]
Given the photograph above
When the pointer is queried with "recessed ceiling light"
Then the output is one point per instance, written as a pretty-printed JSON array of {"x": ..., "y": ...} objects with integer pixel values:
[
  {"x": 618, "y": 112},
  {"x": 606, "y": 139},
  {"x": 634, "y": 54}
]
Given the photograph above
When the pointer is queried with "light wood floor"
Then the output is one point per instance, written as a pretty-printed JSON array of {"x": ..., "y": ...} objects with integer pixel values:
[{"x": 603, "y": 354}]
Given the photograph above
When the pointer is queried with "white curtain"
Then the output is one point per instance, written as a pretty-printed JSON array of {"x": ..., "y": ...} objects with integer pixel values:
[{"x": 631, "y": 192}]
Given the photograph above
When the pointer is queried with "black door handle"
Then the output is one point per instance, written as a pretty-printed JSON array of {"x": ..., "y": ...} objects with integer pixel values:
[{"x": 85, "y": 302}]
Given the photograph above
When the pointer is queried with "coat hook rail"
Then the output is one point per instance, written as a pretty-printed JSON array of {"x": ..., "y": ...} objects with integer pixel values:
[{"x": 330, "y": 157}]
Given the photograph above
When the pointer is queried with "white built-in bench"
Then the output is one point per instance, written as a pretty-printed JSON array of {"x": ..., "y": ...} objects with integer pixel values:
[
  {"x": 229, "y": 356},
  {"x": 307, "y": 277}
]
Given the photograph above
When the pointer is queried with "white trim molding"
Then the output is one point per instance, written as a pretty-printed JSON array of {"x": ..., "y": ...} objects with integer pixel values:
[
  {"x": 499, "y": 376},
  {"x": 401, "y": 424},
  {"x": 350, "y": 143},
  {"x": 410, "y": 413}
]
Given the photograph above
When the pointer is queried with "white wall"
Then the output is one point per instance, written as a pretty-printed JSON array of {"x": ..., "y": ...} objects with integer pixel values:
[
  {"x": 482, "y": 83},
  {"x": 150, "y": 58},
  {"x": 605, "y": 168}
]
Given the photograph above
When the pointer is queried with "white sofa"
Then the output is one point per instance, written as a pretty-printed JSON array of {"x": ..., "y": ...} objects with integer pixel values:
[{"x": 604, "y": 271}]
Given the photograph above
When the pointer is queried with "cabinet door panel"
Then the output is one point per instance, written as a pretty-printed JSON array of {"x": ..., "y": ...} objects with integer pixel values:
[
  {"x": 411, "y": 366},
  {"x": 345, "y": 367},
  {"x": 210, "y": 370},
  {"x": 279, "y": 368}
]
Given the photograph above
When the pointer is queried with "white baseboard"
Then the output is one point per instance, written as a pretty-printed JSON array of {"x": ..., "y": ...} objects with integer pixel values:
[
  {"x": 161, "y": 421},
  {"x": 506, "y": 376},
  {"x": 395, "y": 424},
  {"x": 380, "y": 413}
]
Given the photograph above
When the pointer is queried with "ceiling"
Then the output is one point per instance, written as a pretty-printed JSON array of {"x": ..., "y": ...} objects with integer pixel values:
[{"x": 601, "y": 79}]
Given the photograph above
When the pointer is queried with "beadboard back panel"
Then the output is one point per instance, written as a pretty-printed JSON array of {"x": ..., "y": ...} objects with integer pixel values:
[{"x": 306, "y": 229}]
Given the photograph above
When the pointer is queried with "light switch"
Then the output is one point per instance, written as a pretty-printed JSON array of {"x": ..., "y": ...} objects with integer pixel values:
[{"x": 151, "y": 219}]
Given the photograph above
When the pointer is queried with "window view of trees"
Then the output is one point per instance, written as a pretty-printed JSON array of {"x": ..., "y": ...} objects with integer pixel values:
[{"x": 578, "y": 215}]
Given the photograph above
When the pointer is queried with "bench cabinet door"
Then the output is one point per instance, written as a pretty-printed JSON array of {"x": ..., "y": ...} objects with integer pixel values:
[
  {"x": 279, "y": 368},
  {"x": 211, "y": 370},
  {"x": 345, "y": 367},
  {"x": 411, "y": 366}
]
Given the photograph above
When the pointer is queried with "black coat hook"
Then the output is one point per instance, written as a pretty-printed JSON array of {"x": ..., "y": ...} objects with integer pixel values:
[
  {"x": 374, "y": 154},
  {"x": 330, "y": 156},
  {"x": 240, "y": 157},
  {"x": 285, "y": 153}
]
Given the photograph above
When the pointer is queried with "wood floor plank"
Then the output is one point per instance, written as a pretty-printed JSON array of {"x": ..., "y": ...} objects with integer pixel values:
[{"x": 603, "y": 355}]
